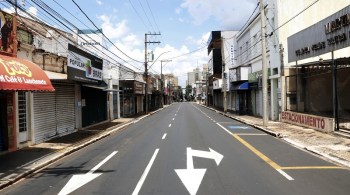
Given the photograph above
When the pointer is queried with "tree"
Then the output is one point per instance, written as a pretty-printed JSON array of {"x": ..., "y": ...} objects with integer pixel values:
[{"x": 188, "y": 92}]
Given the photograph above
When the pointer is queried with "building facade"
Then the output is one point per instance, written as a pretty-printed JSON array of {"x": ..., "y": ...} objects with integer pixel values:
[{"x": 316, "y": 56}]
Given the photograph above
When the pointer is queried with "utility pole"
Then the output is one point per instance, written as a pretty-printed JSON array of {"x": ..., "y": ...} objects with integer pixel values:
[
  {"x": 146, "y": 70},
  {"x": 162, "y": 81},
  {"x": 224, "y": 82},
  {"x": 264, "y": 66}
]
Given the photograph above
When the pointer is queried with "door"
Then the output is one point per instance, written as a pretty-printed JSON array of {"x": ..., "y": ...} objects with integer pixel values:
[{"x": 22, "y": 116}]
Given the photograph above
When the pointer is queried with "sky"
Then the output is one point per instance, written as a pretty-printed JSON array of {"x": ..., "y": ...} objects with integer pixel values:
[{"x": 184, "y": 26}]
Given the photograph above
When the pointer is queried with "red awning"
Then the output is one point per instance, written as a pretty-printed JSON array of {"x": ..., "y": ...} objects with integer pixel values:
[{"x": 20, "y": 74}]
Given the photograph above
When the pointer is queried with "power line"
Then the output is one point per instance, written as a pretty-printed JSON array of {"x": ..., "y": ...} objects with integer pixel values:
[
  {"x": 43, "y": 4},
  {"x": 153, "y": 16},
  {"x": 149, "y": 7},
  {"x": 247, "y": 50},
  {"x": 296, "y": 15},
  {"x": 146, "y": 15},
  {"x": 104, "y": 34},
  {"x": 251, "y": 15},
  {"x": 45, "y": 26},
  {"x": 194, "y": 51},
  {"x": 137, "y": 13}
]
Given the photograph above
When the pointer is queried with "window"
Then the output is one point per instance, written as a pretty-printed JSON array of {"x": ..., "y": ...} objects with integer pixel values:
[{"x": 24, "y": 37}]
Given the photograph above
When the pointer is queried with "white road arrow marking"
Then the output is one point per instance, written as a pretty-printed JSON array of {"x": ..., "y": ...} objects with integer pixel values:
[
  {"x": 79, "y": 180},
  {"x": 191, "y": 177}
]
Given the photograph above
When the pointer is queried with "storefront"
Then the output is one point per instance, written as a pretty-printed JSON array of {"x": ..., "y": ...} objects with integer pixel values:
[
  {"x": 319, "y": 87},
  {"x": 17, "y": 76},
  {"x": 91, "y": 96},
  {"x": 241, "y": 95},
  {"x": 54, "y": 113},
  {"x": 139, "y": 96},
  {"x": 131, "y": 97}
]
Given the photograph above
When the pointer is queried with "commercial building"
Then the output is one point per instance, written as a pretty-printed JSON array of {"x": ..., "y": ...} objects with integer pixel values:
[{"x": 316, "y": 73}]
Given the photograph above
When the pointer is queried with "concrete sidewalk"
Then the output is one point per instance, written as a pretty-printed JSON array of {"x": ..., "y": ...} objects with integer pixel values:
[
  {"x": 21, "y": 163},
  {"x": 330, "y": 146}
]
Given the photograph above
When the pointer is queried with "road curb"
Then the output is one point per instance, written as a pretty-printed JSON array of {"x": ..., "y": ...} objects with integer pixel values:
[
  {"x": 69, "y": 150},
  {"x": 319, "y": 153},
  {"x": 295, "y": 144}
]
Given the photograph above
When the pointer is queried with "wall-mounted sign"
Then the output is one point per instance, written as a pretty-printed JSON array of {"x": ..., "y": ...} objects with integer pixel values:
[
  {"x": 138, "y": 88},
  {"x": 328, "y": 35},
  {"x": 83, "y": 66},
  {"x": 312, "y": 121}
]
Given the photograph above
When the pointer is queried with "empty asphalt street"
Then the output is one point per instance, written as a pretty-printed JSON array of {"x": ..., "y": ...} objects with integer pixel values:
[{"x": 188, "y": 149}]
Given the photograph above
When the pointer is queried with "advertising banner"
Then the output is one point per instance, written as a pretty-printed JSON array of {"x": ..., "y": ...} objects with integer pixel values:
[
  {"x": 83, "y": 67},
  {"x": 7, "y": 44}
]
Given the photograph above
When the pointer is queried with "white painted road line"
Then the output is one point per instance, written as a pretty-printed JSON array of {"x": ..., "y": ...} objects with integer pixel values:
[
  {"x": 173, "y": 118},
  {"x": 285, "y": 175},
  {"x": 79, "y": 180},
  {"x": 169, "y": 125},
  {"x": 164, "y": 136},
  {"x": 145, "y": 173}
]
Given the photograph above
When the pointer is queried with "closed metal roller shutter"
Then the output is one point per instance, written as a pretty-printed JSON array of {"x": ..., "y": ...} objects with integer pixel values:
[
  {"x": 54, "y": 112},
  {"x": 44, "y": 116},
  {"x": 65, "y": 112}
]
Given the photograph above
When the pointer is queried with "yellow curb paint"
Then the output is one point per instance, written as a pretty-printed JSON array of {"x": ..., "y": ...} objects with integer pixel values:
[
  {"x": 311, "y": 167},
  {"x": 257, "y": 152}
]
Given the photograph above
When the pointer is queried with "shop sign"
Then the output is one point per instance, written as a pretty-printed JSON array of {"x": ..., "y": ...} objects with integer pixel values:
[
  {"x": 83, "y": 66},
  {"x": 20, "y": 74},
  {"x": 254, "y": 77},
  {"x": 217, "y": 84},
  {"x": 311, "y": 121},
  {"x": 138, "y": 89},
  {"x": 330, "y": 34}
]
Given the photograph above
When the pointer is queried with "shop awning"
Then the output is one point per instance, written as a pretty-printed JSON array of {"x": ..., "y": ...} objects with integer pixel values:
[
  {"x": 20, "y": 74},
  {"x": 243, "y": 86}
]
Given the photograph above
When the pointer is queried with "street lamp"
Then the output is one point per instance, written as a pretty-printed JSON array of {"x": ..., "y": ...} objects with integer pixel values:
[{"x": 158, "y": 58}]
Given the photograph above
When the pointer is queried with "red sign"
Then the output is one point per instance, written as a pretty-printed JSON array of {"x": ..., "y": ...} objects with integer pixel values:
[
  {"x": 20, "y": 74},
  {"x": 306, "y": 120}
]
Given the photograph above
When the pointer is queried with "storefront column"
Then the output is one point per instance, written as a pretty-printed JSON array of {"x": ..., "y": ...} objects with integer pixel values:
[
  {"x": 274, "y": 100},
  {"x": 31, "y": 118},
  {"x": 118, "y": 103},
  {"x": 11, "y": 122},
  {"x": 78, "y": 107},
  {"x": 283, "y": 93}
]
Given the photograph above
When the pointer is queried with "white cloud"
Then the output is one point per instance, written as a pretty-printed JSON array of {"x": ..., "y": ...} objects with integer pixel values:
[
  {"x": 132, "y": 41},
  {"x": 33, "y": 11},
  {"x": 113, "y": 30},
  {"x": 132, "y": 45},
  {"x": 99, "y": 2},
  {"x": 230, "y": 13},
  {"x": 183, "y": 61}
]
